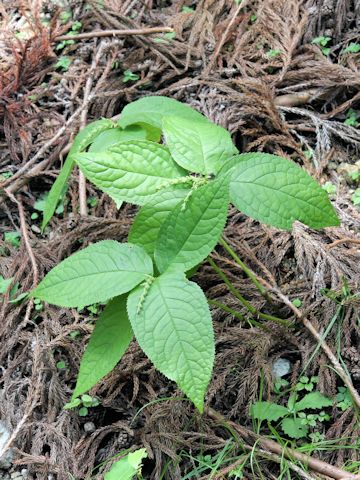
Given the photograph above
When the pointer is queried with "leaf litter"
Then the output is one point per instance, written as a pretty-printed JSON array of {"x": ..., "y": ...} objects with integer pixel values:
[{"x": 250, "y": 67}]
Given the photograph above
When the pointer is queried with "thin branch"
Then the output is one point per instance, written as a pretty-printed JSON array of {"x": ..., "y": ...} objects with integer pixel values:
[
  {"x": 114, "y": 33},
  {"x": 250, "y": 437},
  {"x": 341, "y": 241}
]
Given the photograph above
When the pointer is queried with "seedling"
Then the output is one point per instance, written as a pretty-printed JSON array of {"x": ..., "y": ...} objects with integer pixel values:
[
  {"x": 297, "y": 302},
  {"x": 351, "y": 118},
  {"x": 306, "y": 383},
  {"x": 343, "y": 399},
  {"x": 61, "y": 365},
  {"x": 4, "y": 284},
  {"x": 63, "y": 63},
  {"x": 184, "y": 189},
  {"x": 330, "y": 188},
  {"x": 13, "y": 238},
  {"x": 296, "y": 421},
  {"x": 273, "y": 53},
  {"x": 355, "y": 197},
  {"x": 322, "y": 42},
  {"x": 352, "y": 48},
  {"x": 84, "y": 402},
  {"x": 186, "y": 9},
  {"x": 165, "y": 38},
  {"x": 6, "y": 175},
  {"x": 129, "y": 76}
]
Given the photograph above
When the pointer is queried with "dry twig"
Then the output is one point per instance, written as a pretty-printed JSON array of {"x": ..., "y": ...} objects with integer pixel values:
[{"x": 114, "y": 33}]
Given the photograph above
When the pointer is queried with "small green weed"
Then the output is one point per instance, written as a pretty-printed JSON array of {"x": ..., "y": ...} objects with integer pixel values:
[
  {"x": 352, "y": 48},
  {"x": 165, "y": 38},
  {"x": 330, "y": 188},
  {"x": 296, "y": 420},
  {"x": 351, "y": 118},
  {"x": 355, "y": 197},
  {"x": 63, "y": 63},
  {"x": 273, "y": 53},
  {"x": 13, "y": 238},
  {"x": 129, "y": 76},
  {"x": 322, "y": 42},
  {"x": 84, "y": 402}
]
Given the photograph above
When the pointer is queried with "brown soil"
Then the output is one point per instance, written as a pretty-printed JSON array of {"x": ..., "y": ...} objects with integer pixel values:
[{"x": 289, "y": 102}]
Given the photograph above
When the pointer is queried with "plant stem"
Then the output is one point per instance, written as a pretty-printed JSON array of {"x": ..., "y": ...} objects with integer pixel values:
[
  {"x": 245, "y": 269},
  {"x": 227, "y": 309},
  {"x": 243, "y": 300}
]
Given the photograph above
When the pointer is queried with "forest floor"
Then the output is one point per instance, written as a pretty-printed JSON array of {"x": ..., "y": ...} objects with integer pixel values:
[{"x": 283, "y": 77}]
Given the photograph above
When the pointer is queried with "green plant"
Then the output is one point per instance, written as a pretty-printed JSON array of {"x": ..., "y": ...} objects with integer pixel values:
[
  {"x": 306, "y": 383},
  {"x": 329, "y": 187},
  {"x": 295, "y": 421},
  {"x": 184, "y": 189},
  {"x": 351, "y": 118},
  {"x": 355, "y": 197},
  {"x": 84, "y": 402},
  {"x": 352, "y": 48},
  {"x": 63, "y": 63},
  {"x": 273, "y": 53},
  {"x": 322, "y": 42},
  {"x": 186, "y": 9},
  {"x": 343, "y": 399},
  {"x": 165, "y": 38},
  {"x": 128, "y": 467},
  {"x": 129, "y": 76},
  {"x": 13, "y": 238},
  {"x": 4, "y": 284}
]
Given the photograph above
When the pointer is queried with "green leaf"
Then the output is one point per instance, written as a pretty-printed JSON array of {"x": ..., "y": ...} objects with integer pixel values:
[
  {"x": 81, "y": 142},
  {"x": 277, "y": 192},
  {"x": 293, "y": 428},
  {"x": 148, "y": 221},
  {"x": 192, "y": 230},
  {"x": 95, "y": 274},
  {"x": 200, "y": 147},
  {"x": 313, "y": 400},
  {"x": 152, "y": 110},
  {"x": 268, "y": 411},
  {"x": 173, "y": 326},
  {"x": 108, "y": 343},
  {"x": 127, "y": 467},
  {"x": 109, "y": 138},
  {"x": 4, "y": 283},
  {"x": 131, "y": 171}
]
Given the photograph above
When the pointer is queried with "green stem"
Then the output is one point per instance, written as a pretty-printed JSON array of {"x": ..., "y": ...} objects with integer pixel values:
[
  {"x": 243, "y": 300},
  {"x": 226, "y": 309},
  {"x": 252, "y": 323},
  {"x": 245, "y": 269}
]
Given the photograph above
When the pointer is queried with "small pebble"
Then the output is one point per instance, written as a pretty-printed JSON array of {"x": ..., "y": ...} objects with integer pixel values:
[
  {"x": 35, "y": 229},
  {"x": 89, "y": 427},
  {"x": 281, "y": 367}
]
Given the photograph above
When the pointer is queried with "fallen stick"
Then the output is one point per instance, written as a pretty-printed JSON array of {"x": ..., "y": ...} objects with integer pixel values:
[
  {"x": 251, "y": 438},
  {"x": 114, "y": 33}
]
